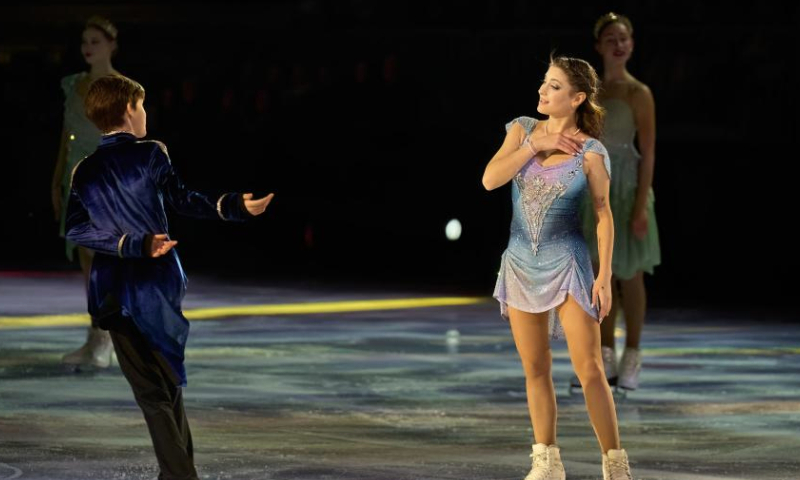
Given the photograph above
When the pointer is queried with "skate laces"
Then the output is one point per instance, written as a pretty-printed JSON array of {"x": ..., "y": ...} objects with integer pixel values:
[
  {"x": 541, "y": 465},
  {"x": 618, "y": 469}
]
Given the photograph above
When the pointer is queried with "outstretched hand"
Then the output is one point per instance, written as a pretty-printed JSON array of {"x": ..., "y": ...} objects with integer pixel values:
[
  {"x": 256, "y": 207},
  {"x": 160, "y": 245}
]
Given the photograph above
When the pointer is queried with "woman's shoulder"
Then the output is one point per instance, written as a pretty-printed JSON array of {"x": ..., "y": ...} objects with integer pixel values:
[
  {"x": 637, "y": 89},
  {"x": 624, "y": 89},
  {"x": 593, "y": 146},
  {"x": 527, "y": 123},
  {"x": 68, "y": 82}
]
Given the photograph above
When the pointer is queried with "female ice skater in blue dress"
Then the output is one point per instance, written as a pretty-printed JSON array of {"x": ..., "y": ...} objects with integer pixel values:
[{"x": 546, "y": 281}]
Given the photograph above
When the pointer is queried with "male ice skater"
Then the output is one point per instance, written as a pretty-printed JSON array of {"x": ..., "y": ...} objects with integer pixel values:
[{"x": 116, "y": 208}]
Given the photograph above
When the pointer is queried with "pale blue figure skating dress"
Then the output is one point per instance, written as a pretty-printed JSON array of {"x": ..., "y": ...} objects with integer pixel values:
[{"x": 547, "y": 257}]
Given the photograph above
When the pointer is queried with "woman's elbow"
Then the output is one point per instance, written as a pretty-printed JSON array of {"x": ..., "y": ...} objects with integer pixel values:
[
  {"x": 605, "y": 217},
  {"x": 489, "y": 183}
]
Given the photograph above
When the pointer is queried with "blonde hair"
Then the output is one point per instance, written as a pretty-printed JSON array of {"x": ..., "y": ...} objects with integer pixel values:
[
  {"x": 608, "y": 19},
  {"x": 104, "y": 25}
]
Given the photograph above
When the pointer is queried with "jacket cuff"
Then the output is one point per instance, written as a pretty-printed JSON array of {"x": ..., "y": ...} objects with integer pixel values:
[
  {"x": 147, "y": 245},
  {"x": 131, "y": 245},
  {"x": 230, "y": 207},
  {"x": 221, "y": 206}
]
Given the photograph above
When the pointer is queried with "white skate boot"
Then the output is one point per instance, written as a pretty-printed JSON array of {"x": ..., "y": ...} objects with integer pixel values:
[
  {"x": 609, "y": 365},
  {"x": 96, "y": 352},
  {"x": 615, "y": 465},
  {"x": 546, "y": 463},
  {"x": 629, "y": 368}
]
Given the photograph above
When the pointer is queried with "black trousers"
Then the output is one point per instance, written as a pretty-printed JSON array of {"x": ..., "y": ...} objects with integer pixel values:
[{"x": 157, "y": 392}]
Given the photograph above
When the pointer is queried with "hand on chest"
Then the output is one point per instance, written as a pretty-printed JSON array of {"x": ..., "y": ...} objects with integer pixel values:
[{"x": 550, "y": 158}]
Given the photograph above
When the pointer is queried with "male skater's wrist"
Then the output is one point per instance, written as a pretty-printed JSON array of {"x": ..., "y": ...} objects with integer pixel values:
[
  {"x": 147, "y": 245},
  {"x": 231, "y": 207},
  {"x": 131, "y": 245}
]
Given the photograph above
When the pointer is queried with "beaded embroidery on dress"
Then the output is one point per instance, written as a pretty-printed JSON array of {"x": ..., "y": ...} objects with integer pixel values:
[{"x": 547, "y": 258}]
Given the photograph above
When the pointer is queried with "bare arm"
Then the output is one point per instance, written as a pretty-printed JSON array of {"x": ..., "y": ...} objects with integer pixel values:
[
  {"x": 514, "y": 153},
  {"x": 508, "y": 160},
  {"x": 599, "y": 184},
  {"x": 645, "y": 116},
  {"x": 58, "y": 176}
]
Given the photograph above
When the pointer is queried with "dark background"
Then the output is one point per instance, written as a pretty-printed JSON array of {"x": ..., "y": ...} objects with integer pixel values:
[{"x": 372, "y": 122}]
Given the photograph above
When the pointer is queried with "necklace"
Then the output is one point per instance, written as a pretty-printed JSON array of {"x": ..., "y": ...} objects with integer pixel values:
[{"x": 573, "y": 133}]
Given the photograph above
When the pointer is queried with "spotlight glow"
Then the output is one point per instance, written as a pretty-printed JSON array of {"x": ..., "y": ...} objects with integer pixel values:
[{"x": 453, "y": 230}]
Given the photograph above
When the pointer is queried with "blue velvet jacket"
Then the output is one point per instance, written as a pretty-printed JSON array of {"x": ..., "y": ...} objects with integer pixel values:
[{"x": 116, "y": 203}]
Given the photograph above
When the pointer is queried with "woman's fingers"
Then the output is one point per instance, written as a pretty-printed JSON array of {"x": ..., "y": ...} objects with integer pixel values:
[{"x": 606, "y": 306}]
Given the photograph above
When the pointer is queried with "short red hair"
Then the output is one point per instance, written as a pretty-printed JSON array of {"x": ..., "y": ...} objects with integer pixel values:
[{"x": 108, "y": 99}]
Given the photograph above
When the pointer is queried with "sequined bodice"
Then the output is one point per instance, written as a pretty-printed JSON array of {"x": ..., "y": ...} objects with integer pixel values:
[{"x": 546, "y": 201}]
